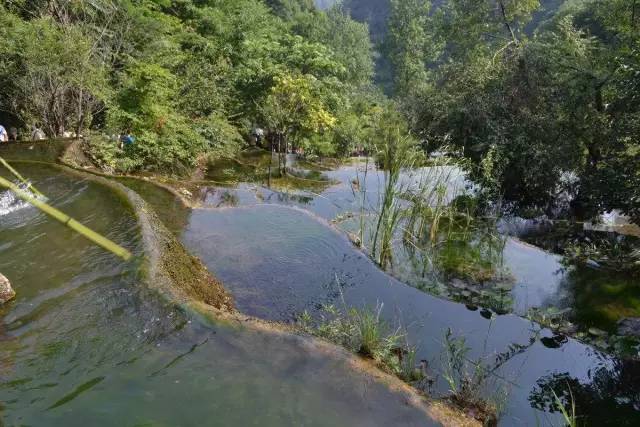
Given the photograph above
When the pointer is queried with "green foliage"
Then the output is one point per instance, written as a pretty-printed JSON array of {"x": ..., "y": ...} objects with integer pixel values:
[
  {"x": 409, "y": 45},
  {"x": 539, "y": 117},
  {"x": 364, "y": 332},
  {"x": 349, "y": 41},
  {"x": 289, "y": 9},
  {"x": 468, "y": 380},
  {"x": 568, "y": 414},
  {"x": 51, "y": 75},
  {"x": 185, "y": 78}
]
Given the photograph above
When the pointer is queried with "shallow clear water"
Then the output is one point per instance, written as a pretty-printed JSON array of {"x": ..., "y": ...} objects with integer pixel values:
[
  {"x": 279, "y": 262},
  {"x": 539, "y": 279},
  {"x": 86, "y": 343}
]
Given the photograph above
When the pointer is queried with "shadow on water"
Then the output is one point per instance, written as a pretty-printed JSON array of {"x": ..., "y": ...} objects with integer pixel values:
[
  {"x": 173, "y": 214},
  {"x": 86, "y": 343}
]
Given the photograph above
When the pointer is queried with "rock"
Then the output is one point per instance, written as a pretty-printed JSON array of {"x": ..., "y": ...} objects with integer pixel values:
[
  {"x": 597, "y": 332},
  {"x": 487, "y": 314},
  {"x": 568, "y": 328},
  {"x": 355, "y": 239},
  {"x": 459, "y": 284},
  {"x": 6, "y": 291},
  {"x": 555, "y": 341},
  {"x": 593, "y": 264},
  {"x": 629, "y": 327}
]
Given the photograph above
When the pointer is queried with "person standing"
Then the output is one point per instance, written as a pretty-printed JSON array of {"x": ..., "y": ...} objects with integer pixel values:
[
  {"x": 37, "y": 134},
  {"x": 13, "y": 134},
  {"x": 258, "y": 133},
  {"x": 4, "y": 136}
]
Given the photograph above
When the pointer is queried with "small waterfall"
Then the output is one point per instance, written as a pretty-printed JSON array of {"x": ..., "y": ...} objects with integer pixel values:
[{"x": 9, "y": 202}]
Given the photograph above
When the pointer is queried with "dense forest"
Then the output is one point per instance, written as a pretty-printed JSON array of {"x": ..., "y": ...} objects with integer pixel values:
[
  {"x": 187, "y": 78},
  {"x": 540, "y": 98},
  {"x": 544, "y": 115}
]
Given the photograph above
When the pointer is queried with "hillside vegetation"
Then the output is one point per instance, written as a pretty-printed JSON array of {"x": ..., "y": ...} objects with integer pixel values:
[
  {"x": 538, "y": 97},
  {"x": 548, "y": 119},
  {"x": 186, "y": 78}
]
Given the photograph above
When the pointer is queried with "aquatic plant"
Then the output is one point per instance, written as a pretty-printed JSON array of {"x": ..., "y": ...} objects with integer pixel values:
[
  {"x": 363, "y": 331},
  {"x": 468, "y": 380},
  {"x": 363, "y": 199},
  {"x": 395, "y": 153},
  {"x": 568, "y": 414},
  {"x": 425, "y": 227}
]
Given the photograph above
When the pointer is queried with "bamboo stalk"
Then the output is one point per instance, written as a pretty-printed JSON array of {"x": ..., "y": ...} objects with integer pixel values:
[
  {"x": 20, "y": 177},
  {"x": 68, "y": 221}
]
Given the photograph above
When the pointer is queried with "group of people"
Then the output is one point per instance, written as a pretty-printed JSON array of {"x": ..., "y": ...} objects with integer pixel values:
[{"x": 12, "y": 135}]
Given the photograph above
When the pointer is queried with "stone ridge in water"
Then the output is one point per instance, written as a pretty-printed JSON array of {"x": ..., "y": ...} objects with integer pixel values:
[{"x": 171, "y": 266}]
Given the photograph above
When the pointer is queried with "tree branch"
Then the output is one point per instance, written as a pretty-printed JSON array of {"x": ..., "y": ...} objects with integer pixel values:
[{"x": 506, "y": 22}]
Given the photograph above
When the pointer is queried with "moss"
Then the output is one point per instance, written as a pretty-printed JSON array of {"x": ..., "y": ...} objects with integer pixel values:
[
  {"x": 289, "y": 183},
  {"x": 169, "y": 259},
  {"x": 188, "y": 272},
  {"x": 167, "y": 205},
  {"x": 462, "y": 260},
  {"x": 172, "y": 267},
  {"x": 602, "y": 298}
]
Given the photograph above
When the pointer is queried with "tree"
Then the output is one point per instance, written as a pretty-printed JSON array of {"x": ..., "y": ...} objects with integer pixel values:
[
  {"x": 294, "y": 108},
  {"x": 188, "y": 78},
  {"x": 52, "y": 74},
  {"x": 145, "y": 107},
  {"x": 545, "y": 120},
  {"x": 409, "y": 45},
  {"x": 348, "y": 40}
]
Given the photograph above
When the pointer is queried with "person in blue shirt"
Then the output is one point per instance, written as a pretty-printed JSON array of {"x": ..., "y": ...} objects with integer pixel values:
[{"x": 126, "y": 140}]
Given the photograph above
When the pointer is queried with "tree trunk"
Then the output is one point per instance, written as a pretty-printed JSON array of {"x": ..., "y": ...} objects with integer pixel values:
[
  {"x": 284, "y": 156},
  {"x": 279, "y": 150},
  {"x": 506, "y": 23},
  {"x": 270, "y": 159},
  {"x": 81, "y": 114}
]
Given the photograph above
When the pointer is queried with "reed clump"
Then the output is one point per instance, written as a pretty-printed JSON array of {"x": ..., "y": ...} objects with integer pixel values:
[
  {"x": 426, "y": 217},
  {"x": 470, "y": 381},
  {"x": 363, "y": 331}
]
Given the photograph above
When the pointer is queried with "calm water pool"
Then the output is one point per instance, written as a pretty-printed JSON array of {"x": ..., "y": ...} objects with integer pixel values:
[{"x": 279, "y": 262}]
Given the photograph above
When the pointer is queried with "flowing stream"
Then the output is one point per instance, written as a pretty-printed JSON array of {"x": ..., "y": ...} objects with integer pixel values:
[{"x": 87, "y": 343}]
